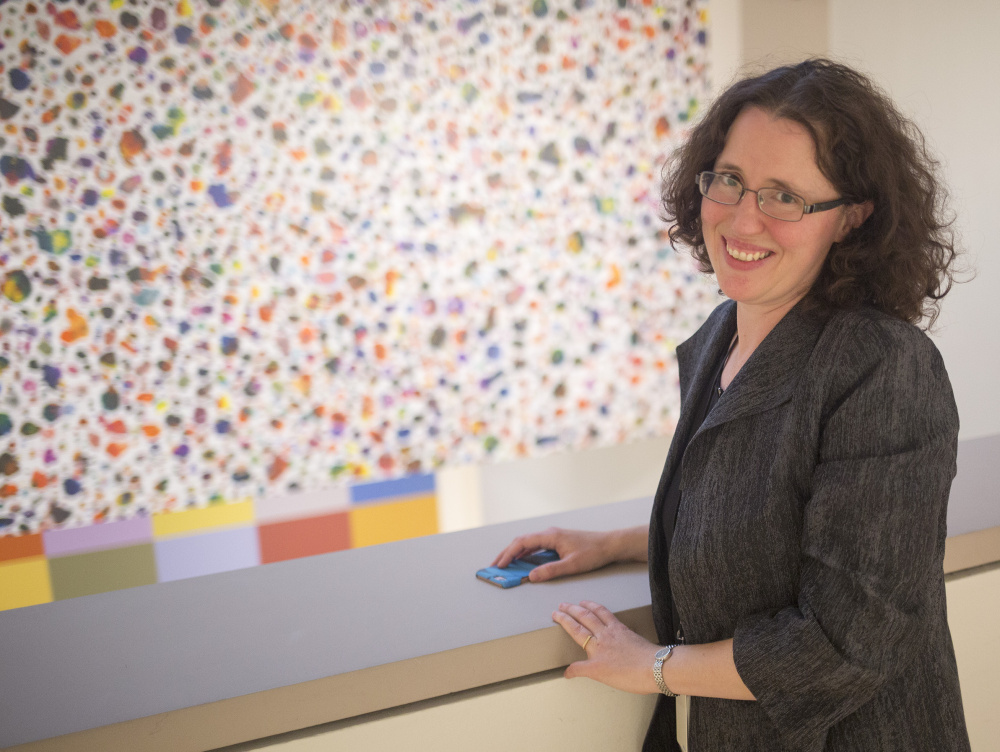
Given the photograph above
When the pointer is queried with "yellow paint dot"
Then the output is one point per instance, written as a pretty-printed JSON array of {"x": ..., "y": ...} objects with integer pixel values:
[
  {"x": 162, "y": 406},
  {"x": 223, "y": 402},
  {"x": 107, "y": 193}
]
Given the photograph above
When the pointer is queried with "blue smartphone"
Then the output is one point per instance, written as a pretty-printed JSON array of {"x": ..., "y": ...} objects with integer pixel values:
[{"x": 516, "y": 572}]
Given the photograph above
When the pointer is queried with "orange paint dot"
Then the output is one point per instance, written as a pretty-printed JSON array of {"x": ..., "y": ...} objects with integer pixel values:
[
  {"x": 151, "y": 431},
  {"x": 39, "y": 479},
  {"x": 66, "y": 43},
  {"x": 77, "y": 327},
  {"x": 8, "y": 490},
  {"x": 116, "y": 449},
  {"x": 105, "y": 28},
  {"x": 116, "y": 427},
  {"x": 145, "y": 397}
]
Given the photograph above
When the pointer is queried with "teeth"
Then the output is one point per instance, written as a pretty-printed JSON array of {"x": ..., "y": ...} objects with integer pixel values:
[{"x": 743, "y": 256}]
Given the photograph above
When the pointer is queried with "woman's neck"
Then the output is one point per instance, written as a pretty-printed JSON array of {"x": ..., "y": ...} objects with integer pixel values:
[{"x": 753, "y": 324}]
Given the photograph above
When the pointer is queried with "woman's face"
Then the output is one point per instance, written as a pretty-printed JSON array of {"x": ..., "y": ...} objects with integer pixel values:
[{"x": 784, "y": 258}]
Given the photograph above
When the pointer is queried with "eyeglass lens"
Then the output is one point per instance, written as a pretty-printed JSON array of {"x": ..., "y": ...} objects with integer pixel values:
[{"x": 774, "y": 202}]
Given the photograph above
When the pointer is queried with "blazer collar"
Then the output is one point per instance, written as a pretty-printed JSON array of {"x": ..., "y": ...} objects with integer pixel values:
[{"x": 765, "y": 381}]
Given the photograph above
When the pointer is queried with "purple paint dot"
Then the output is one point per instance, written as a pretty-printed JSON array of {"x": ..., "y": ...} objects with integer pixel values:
[
  {"x": 138, "y": 55},
  {"x": 181, "y": 451},
  {"x": 50, "y": 457},
  {"x": 90, "y": 197},
  {"x": 51, "y": 374},
  {"x": 219, "y": 195},
  {"x": 183, "y": 34}
]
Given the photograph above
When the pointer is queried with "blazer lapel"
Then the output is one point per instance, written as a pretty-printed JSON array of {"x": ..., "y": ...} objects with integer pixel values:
[
  {"x": 769, "y": 377},
  {"x": 695, "y": 365}
]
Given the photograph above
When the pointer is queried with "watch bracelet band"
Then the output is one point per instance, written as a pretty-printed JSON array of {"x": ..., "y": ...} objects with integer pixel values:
[{"x": 658, "y": 670}]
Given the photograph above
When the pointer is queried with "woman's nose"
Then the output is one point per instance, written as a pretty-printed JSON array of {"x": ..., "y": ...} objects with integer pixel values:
[{"x": 748, "y": 216}]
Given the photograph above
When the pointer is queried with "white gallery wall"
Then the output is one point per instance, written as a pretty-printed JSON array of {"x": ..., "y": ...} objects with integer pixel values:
[{"x": 940, "y": 62}]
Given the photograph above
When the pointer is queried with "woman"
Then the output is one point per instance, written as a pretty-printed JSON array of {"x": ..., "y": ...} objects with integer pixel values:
[{"x": 796, "y": 541}]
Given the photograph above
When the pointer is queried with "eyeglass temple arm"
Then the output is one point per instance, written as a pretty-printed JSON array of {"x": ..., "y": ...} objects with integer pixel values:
[{"x": 825, "y": 206}]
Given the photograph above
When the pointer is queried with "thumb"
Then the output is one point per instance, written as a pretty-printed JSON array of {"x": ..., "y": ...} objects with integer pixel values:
[
  {"x": 548, "y": 571},
  {"x": 575, "y": 670}
]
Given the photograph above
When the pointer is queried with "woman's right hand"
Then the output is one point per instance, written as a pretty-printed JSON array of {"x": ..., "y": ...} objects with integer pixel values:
[{"x": 579, "y": 551}]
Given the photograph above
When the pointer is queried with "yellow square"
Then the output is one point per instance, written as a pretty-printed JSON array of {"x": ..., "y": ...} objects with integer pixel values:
[
  {"x": 25, "y": 582},
  {"x": 188, "y": 521},
  {"x": 397, "y": 520}
]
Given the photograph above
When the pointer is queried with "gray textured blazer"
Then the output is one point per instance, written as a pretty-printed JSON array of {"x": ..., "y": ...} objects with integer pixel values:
[{"x": 811, "y": 530}]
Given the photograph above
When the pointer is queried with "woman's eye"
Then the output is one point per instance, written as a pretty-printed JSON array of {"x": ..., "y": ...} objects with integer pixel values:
[
  {"x": 729, "y": 181},
  {"x": 786, "y": 198}
]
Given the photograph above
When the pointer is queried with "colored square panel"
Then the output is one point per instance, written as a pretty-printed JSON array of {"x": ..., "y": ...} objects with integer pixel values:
[
  {"x": 24, "y": 582},
  {"x": 411, "y": 485},
  {"x": 208, "y": 553},
  {"x": 397, "y": 520},
  {"x": 295, "y": 506},
  {"x": 293, "y": 539},
  {"x": 102, "y": 571},
  {"x": 21, "y": 546},
  {"x": 194, "y": 520},
  {"x": 98, "y": 537}
]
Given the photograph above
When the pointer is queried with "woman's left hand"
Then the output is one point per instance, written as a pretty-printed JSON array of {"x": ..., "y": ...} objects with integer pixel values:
[{"x": 616, "y": 655}]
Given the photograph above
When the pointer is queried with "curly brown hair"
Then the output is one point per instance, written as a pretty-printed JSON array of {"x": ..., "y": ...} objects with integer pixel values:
[{"x": 900, "y": 259}]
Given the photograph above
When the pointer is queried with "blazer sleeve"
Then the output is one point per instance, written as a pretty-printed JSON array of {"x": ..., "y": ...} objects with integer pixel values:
[{"x": 872, "y": 537}]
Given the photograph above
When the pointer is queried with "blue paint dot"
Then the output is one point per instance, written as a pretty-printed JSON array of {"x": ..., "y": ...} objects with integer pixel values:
[
  {"x": 222, "y": 426},
  {"x": 72, "y": 486},
  {"x": 493, "y": 352},
  {"x": 19, "y": 79},
  {"x": 90, "y": 197},
  {"x": 138, "y": 55}
]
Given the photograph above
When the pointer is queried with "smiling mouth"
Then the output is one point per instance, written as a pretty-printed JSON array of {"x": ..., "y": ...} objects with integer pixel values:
[{"x": 743, "y": 256}]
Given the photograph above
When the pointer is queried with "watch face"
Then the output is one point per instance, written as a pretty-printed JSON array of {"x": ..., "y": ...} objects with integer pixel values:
[{"x": 662, "y": 653}]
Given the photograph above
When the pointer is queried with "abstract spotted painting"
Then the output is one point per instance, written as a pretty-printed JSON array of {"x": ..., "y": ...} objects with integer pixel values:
[{"x": 252, "y": 248}]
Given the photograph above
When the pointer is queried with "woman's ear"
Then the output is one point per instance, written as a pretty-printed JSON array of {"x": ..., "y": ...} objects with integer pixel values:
[{"x": 854, "y": 217}]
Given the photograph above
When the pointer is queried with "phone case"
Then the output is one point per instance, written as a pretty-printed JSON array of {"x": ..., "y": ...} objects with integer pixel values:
[{"x": 517, "y": 571}]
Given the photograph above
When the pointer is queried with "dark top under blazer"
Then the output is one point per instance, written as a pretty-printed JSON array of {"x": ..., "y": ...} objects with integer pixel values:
[{"x": 811, "y": 530}]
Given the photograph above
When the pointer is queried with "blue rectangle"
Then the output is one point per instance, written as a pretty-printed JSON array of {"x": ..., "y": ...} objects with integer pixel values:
[
  {"x": 207, "y": 553},
  {"x": 384, "y": 489}
]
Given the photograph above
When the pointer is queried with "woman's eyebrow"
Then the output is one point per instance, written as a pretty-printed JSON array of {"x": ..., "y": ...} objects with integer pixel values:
[{"x": 769, "y": 183}]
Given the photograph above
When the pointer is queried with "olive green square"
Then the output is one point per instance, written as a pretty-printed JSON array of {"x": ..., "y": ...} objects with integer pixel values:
[{"x": 101, "y": 571}]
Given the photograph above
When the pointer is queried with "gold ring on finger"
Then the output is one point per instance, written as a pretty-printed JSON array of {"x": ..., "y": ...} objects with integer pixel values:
[{"x": 589, "y": 638}]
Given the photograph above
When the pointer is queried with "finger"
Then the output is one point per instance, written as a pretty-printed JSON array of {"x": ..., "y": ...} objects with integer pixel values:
[
  {"x": 524, "y": 544},
  {"x": 577, "y": 632},
  {"x": 584, "y": 616},
  {"x": 601, "y": 612},
  {"x": 515, "y": 549}
]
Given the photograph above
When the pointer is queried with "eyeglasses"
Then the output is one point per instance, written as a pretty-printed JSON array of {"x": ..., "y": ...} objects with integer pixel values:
[{"x": 774, "y": 202}]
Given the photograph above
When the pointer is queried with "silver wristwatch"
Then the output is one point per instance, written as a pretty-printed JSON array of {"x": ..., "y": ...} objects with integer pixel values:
[{"x": 661, "y": 655}]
